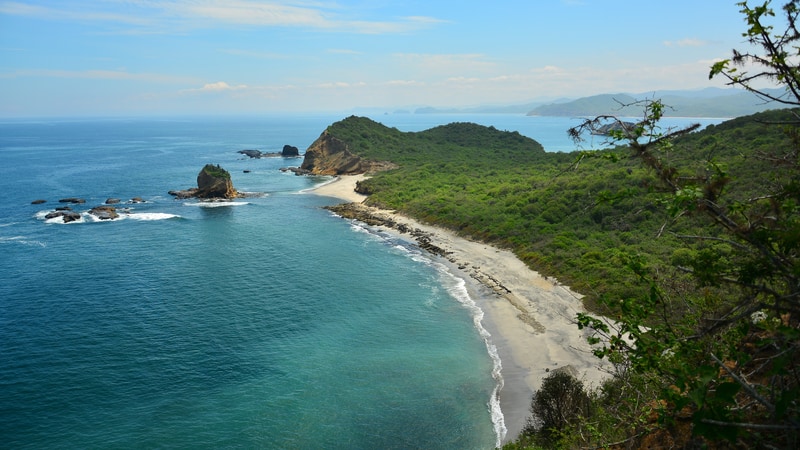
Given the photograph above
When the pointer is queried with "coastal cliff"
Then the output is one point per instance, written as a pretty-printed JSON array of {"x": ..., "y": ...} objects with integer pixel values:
[{"x": 329, "y": 155}]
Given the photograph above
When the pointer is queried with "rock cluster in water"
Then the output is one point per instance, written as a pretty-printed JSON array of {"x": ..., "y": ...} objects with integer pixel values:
[
  {"x": 289, "y": 151},
  {"x": 102, "y": 212}
]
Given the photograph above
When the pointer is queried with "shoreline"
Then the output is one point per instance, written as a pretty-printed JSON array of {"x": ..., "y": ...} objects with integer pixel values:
[{"x": 530, "y": 317}]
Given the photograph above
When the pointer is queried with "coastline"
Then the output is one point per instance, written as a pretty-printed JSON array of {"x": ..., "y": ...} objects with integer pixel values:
[{"x": 530, "y": 317}]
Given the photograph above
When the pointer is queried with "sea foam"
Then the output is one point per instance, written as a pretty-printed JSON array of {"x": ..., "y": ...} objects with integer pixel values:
[
  {"x": 90, "y": 218},
  {"x": 151, "y": 216},
  {"x": 216, "y": 204},
  {"x": 22, "y": 240},
  {"x": 456, "y": 287}
]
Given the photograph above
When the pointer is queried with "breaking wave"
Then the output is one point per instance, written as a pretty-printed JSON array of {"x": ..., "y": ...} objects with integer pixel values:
[{"x": 215, "y": 204}]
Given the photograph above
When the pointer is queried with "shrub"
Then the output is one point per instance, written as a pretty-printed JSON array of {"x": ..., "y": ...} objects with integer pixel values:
[{"x": 561, "y": 403}]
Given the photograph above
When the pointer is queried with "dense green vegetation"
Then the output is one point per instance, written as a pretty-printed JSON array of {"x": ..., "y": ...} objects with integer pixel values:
[
  {"x": 216, "y": 171},
  {"x": 690, "y": 241},
  {"x": 564, "y": 221},
  {"x": 601, "y": 221}
]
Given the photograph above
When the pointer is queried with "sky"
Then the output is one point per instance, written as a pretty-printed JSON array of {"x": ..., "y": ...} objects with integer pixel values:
[{"x": 156, "y": 57}]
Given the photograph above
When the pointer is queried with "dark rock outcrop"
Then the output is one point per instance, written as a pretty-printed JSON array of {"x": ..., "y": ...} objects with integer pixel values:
[
  {"x": 295, "y": 170},
  {"x": 329, "y": 155},
  {"x": 213, "y": 182},
  {"x": 183, "y": 193},
  {"x": 66, "y": 216},
  {"x": 251, "y": 153},
  {"x": 38, "y": 202},
  {"x": 112, "y": 201},
  {"x": 290, "y": 151},
  {"x": 104, "y": 212},
  {"x": 72, "y": 200},
  {"x": 374, "y": 217}
]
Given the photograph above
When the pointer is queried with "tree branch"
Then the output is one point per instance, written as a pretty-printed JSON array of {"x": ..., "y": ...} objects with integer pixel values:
[{"x": 744, "y": 384}]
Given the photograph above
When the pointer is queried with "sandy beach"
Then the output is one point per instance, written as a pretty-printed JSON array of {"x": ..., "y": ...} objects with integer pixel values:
[{"x": 530, "y": 317}]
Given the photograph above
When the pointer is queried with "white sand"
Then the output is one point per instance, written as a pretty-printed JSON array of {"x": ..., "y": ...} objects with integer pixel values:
[
  {"x": 530, "y": 317},
  {"x": 342, "y": 187}
]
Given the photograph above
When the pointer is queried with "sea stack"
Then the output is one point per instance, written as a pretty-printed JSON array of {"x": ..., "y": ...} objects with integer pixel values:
[{"x": 213, "y": 182}]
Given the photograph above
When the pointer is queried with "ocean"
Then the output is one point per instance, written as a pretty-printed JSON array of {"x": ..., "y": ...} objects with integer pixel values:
[{"x": 264, "y": 322}]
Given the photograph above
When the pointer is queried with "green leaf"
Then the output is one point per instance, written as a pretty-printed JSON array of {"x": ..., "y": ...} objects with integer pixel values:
[{"x": 726, "y": 392}]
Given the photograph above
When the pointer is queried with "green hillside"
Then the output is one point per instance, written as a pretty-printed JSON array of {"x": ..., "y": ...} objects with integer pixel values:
[
  {"x": 681, "y": 251},
  {"x": 502, "y": 188}
]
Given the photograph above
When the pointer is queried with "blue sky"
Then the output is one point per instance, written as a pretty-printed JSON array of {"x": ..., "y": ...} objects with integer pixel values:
[{"x": 140, "y": 57}]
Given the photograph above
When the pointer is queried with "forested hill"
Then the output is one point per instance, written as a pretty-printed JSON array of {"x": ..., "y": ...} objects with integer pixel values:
[
  {"x": 723, "y": 105},
  {"x": 568, "y": 220},
  {"x": 446, "y": 143}
]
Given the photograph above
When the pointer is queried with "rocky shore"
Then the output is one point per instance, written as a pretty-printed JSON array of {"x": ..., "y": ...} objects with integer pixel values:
[{"x": 425, "y": 240}]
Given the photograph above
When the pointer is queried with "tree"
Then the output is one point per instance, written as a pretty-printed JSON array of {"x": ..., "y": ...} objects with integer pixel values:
[
  {"x": 728, "y": 354},
  {"x": 561, "y": 402}
]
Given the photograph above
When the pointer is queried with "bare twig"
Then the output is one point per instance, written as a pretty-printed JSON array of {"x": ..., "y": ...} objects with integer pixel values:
[{"x": 745, "y": 385}]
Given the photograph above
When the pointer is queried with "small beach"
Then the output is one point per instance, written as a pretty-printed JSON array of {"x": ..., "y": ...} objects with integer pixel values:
[{"x": 531, "y": 317}]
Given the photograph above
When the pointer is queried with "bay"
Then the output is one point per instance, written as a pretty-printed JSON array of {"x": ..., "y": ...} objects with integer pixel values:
[{"x": 265, "y": 322}]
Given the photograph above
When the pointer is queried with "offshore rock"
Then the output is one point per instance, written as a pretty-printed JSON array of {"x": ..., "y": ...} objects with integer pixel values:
[
  {"x": 290, "y": 151},
  {"x": 104, "y": 212},
  {"x": 74, "y": 200},
  {"x": 66, "y": 216},
  {"x": 251, "y": 153},
  {"x": 213, "y": 182}
]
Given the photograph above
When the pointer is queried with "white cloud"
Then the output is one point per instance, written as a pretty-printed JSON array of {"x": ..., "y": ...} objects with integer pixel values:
[
  {"x": 341, "y": 85},
  {"x": 463, "y": 80},
  {"x": 65, "y": 14},
  {"x": 425, "y": 19},
  {"x": 403, "y": 83},
  {"x": 342, "y": 51},
  {"x": 254, "y": 54},
  {"x": 445, "y": 64},
  {"x": 97, "y": 75},
  {"x": 686, "y": 42},
  {"x": 178, "y": 15},
  {"x": 219, "y": 86},
  {"x": 251, "y": 13}
]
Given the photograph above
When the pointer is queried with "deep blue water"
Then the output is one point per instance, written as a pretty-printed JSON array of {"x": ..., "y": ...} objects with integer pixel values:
[{"x": 263, "y": 323}]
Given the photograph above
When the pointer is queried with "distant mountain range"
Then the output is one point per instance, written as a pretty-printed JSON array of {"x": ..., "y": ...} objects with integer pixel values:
[{"x": 709, "y": 102}]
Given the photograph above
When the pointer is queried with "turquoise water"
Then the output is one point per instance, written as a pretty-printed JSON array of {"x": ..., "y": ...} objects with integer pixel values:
[
  {"x": 262, "y": 323},
  {"x": 265, "y": 323}
]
